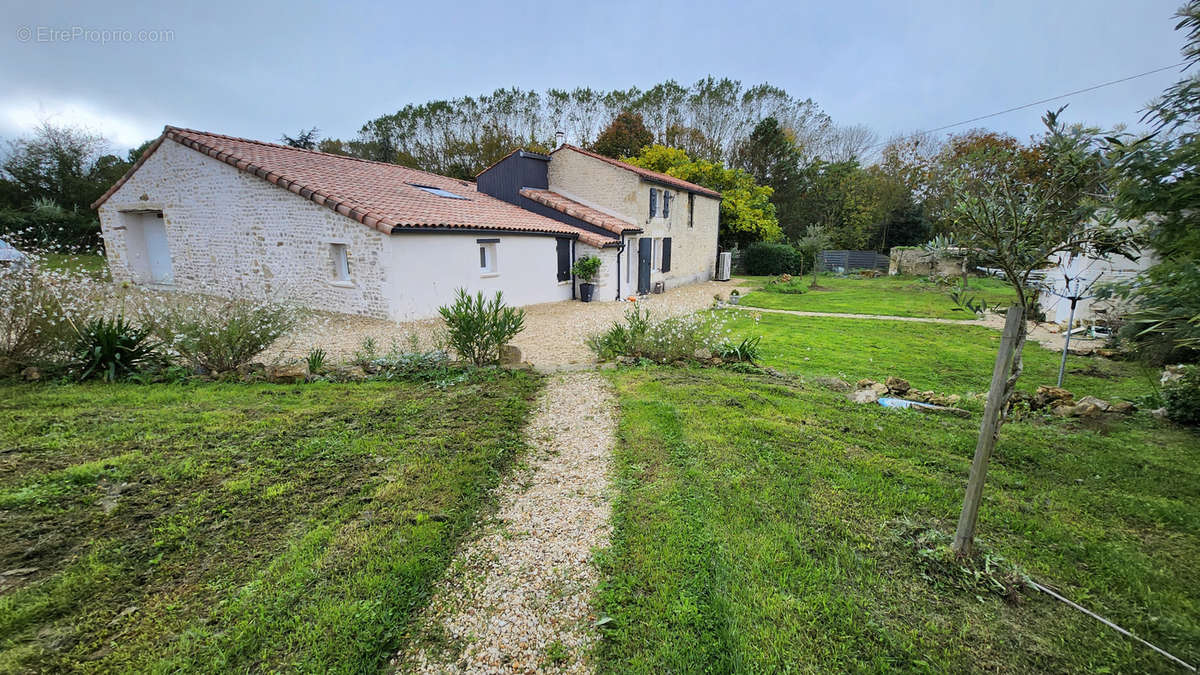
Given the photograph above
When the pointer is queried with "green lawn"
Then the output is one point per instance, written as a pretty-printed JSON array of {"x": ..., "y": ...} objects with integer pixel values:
[
  {"x": 946, "y": 358},
  {"x": 890, "y": 296},
  {"x": 235, "y": 528},
  {"x": 83, "y": 263},
  {"x": 762, "y": 525}
]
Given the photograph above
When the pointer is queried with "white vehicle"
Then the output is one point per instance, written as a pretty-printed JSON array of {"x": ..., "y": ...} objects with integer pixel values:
[{"x": 11, "y": 257}]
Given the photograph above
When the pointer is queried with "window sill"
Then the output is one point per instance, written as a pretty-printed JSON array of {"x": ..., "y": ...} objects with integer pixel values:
[
  {"x": 341, "y": 284},
  {"x": 489, "y": 275}
]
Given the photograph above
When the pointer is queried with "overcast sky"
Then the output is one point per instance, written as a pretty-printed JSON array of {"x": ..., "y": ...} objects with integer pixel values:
[{"x": 260, "y": 69}]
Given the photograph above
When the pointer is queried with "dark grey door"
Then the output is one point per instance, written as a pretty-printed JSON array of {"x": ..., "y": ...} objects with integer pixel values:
[{"x": 645, "y": 253}]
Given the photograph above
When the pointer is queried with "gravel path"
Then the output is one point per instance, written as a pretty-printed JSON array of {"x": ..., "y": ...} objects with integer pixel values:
[
  {"x": 517, "y": 597},
  {"x": 553, "y": 337}
]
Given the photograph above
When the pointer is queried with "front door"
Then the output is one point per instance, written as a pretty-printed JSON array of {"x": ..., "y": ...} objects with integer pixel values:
[{"x": 645, "y": 254}]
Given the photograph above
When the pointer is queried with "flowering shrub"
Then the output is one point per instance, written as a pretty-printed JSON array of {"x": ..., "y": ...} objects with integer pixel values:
[
  {"x": 669, "y": 339},
  {"x": 218, "y": 335},
  {"x": 40, "y": 308}
]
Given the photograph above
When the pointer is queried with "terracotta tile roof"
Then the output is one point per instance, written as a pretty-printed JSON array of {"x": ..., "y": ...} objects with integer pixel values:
[
  {"x": 585, "y": 213},
  {"x": 379, "y": 195},
  {"x": 649, "y": 175}
]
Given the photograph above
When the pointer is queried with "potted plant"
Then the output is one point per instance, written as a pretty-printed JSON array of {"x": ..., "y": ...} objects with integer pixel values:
[
  {"x": 585, "y": 270},
  {"x": 734, "y": 297}
]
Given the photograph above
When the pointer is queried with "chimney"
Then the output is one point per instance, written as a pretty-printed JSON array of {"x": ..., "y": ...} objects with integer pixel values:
[{"x": 559, "y": 139}]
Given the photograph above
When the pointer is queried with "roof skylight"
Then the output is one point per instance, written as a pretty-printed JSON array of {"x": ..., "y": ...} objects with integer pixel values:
[{"x": 438, "y": 191}]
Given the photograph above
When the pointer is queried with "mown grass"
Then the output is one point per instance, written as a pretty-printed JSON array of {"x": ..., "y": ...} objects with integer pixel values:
[
  {"x": 80, "y": 263},
  {"x": 946, "y": 358},
  {"x": 765, "y": 526},
  {"x": 886, "y": 296},
  {"x": 219, "y": 528}
]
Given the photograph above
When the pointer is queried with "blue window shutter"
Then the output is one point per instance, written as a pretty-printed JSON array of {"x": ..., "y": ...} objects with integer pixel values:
[
  {"x": 653, "y": 202},
  {"x": 666, "y": 204},
  {"x": 666, "y": 252}
]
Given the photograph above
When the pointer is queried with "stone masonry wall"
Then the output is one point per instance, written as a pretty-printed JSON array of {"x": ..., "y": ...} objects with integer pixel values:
[
  {"x": 623, "y": 193},
  {"x": 231, "y": 233}
]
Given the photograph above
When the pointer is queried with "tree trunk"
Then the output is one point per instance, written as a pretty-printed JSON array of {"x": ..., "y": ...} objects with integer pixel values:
[
  {"x": 964, "y": 273},
  {"x": 816, "y": 266},
  {"x": 1004, "y": 377}
]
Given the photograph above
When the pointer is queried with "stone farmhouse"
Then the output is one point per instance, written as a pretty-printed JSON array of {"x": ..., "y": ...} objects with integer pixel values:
[{"x": 207, "y": 213}]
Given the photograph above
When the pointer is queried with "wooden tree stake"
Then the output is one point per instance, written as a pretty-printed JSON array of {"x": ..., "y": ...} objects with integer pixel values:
[{"x": 989, "y": 429}]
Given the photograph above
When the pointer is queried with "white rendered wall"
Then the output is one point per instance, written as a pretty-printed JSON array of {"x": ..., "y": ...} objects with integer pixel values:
[{"x": 426, "y": 269}]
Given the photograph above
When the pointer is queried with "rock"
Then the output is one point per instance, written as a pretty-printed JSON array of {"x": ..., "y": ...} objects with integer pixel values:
[
  {"x": 1098, "y": 402},
  {"x": 897, "y": 385},
  {"x": 864, "y": 384},
  {"x": 702, "y": 354},
  {"x": 879, "y": 389},
  {"x": 864, "y": 396},
  {"x": 347, "y": 373},
  {"x": 1086, "y": 409},
  {"x": 510, "y": 354},
  {"x": 1170, "y": 374},
  {"x": 1121, "y": 407},
  {"x": 1159, "y": 413},
  {"x": 1063, "y": 410},
  {"x": 31, "y": 374},
  {"x": 247, "y": 369},
  {"x": 289, "y": 373},
  {"x": 832, "y": 383},
  {"x": 1109, "y": 353},
  {"x": 1052, "y": 397}
]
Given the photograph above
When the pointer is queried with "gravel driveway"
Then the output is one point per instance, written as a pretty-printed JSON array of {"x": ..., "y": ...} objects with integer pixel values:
[{"x": 553, "y": 337}]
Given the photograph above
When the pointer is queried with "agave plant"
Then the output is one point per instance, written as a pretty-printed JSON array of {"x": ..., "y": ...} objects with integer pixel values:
[{"x": 113, "y": 348}]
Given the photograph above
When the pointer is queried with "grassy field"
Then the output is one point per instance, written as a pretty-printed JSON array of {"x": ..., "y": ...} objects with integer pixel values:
[
  {"x": 93, "y": 265},
  {"x": 767, "y": 526},
  {"x": 946, "y": 358},
  {"x": 890, "y": 296},
  {"x": 221, "y": 528}
]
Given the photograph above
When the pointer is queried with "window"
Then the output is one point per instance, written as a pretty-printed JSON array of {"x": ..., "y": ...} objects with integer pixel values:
[
  {"x": 437, "y": 191},
  {"x": 341, "y": 262},
  {"x": 487, "y": 256},
  {"x": 691, "y": 209},
  {"x": 653, "y": 202},
  {"x": 656, "y": 254}
]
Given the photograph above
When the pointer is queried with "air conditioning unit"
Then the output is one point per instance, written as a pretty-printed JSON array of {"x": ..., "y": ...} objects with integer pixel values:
[{"x": 724, "y": 262}]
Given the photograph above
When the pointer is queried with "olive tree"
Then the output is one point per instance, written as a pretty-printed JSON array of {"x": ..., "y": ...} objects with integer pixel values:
[{"x": 1045, "y": 201}]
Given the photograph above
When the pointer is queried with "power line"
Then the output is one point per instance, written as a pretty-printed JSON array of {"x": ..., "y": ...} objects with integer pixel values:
[{"x": 1040, "y": 102}]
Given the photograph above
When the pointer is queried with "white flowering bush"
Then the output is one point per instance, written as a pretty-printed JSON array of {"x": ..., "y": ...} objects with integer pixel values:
[
  {"x": 217, "y": 335},
  {"x": 40, "y": 309},
  {"x": 700, "y": 335}
]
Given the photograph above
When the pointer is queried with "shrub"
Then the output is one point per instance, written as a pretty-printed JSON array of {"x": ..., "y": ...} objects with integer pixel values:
[
  {"x": 792, "y": 285},
  {"x": 476, "y": 327},
  {"x": 586, "y": 268},
  {"x": 746, "y": 350},
  {"x": 219, "y": 335},
  {"x": 113, "y": 348},
  {"x": 1181, "y": 397},
  {"x": 316, "y": 360},
  {"x": 770, "y": 259},
  {"x": 37, "y": 305},
  {"x": 670, "y": 339}
]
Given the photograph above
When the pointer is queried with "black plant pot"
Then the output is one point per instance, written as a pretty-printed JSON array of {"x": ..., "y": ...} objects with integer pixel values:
[{"x": 586, "y": 291}]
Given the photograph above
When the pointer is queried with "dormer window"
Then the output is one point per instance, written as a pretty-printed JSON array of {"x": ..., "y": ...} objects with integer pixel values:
[{"x": 437, "y": 191}]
